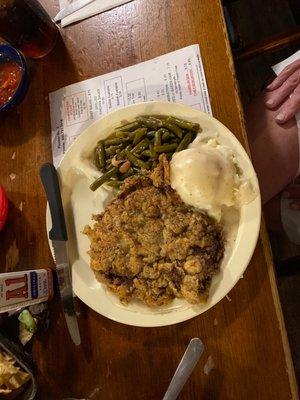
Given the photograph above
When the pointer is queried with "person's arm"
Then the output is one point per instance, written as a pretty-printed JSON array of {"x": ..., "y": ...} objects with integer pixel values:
[{"x": 274, "y": 148}]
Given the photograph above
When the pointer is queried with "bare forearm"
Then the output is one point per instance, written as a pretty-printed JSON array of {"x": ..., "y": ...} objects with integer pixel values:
[{"x": 274, "y": 148}]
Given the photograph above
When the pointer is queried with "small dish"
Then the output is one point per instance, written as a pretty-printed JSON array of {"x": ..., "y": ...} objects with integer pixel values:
[
  {"x": 9, "y": 54},
  {"x": 23, "y": 360}
]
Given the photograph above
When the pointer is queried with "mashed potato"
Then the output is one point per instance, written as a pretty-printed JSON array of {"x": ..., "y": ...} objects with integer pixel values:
[{"x": 206, "y": 177}]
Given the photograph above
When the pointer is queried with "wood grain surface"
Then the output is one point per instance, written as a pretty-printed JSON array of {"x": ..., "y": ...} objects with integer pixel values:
[{"x": 244, "y": 333}]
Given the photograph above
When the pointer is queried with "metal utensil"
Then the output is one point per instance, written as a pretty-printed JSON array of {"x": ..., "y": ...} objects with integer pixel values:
[
  {"x": 74, "y": 6},
  {"x": 186, "y": 366},
  {"x": 59, "y": 238}
]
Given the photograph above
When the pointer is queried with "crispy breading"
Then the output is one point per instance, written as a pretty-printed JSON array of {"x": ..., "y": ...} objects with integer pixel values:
[{"x": 149, "y": 245}]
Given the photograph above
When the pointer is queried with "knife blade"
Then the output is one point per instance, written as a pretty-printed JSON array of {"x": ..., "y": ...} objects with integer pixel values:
[
  {"x": 69, "y": 9},
  {"x": 58, "y": 236}
]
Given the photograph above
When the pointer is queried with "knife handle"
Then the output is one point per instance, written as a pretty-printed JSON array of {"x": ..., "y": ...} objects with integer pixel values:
[{"x": 50, "y": 182}]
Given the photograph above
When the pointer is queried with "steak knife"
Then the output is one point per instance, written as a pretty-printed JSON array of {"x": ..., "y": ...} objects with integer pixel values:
[{"x": 59, "y": 238}]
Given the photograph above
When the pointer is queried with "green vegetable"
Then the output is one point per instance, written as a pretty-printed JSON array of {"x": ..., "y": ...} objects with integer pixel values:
[
  {"x": 189, "y": 126},
  {"x": 27, "y": 319},
  {"x": 141, "y": 146},
  {"x": 112, "y": 150},
  {"x": 157, "y": 138},
  {"x": 114, "y": 184},
  {"x": 151, "y": 134},
  {"x": 140, "y": 142},
  {"x": 165, "y": 148},
  {"x": 116, "y": 141},
  {"x": 147, "y": 153},
  {"x": 154, "y": 154},
  {"x": 122, "y": 134},
  {"x": 121, "y": 155},
  {"x": 132, "y": 126},
  {"x": 185, "y": 141},
  {"x": 139, "y": 134},
  {"x": 173, "y": 128},
  {"x": 99, "y": 156},
  {"x": 150, "y": 122},
  {"x": 136, "y": 161},
  {"x": 103, "y": 178},
  {"x": 166, "y": 136}
]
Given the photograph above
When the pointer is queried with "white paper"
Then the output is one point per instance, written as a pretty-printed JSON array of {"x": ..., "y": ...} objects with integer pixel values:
[
  {"x": 280, "y": 66},
  {"x": 96, "y": 7},
  {"x": 277, "y": 69},
  {"x": 175, "y": 77}
]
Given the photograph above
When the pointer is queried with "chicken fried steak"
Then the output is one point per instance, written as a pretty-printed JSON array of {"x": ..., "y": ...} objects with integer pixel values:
[{"x": 149, "y": 245}]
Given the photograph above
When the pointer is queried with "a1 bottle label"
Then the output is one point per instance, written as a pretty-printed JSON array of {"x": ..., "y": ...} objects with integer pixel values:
[{"x": 20, "y": 289}]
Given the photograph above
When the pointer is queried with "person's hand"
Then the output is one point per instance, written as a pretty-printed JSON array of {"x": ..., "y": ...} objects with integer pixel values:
[{"x": 284, "y": 92}]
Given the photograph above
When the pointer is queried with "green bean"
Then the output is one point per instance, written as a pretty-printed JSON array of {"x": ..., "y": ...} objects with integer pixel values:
[
  {"x": 132, "y": 126},
  {"x": 157, "y": 138},
  {"x": 173, "y": 128},
  {"x": 112, "y": 150},
  {"x": 121, "y": 155},
  {"x": 134, "y": 143},
  {"x": 150, "y": 122},
  {"x": 150, "y": 134},
  {"x": 147, "y": 153},
  {"x": 99, "y": 156},
  {"x": 115, "y": 141},
  {"x": 189, "y": 126},
  {"x": 121, "y": 134},
  {"x": 103, "y": 178},
  {"x": 136, "y": 161},
  {"x": 185, "y": 141},
  {"x": 165, "y": 148},
  {"x": 114, "y": 184},
  {"x": 154, "y": 154},
  {"x": 166, "y": 136},
  {"x": 141, "y": 146},
  {"x": 139, "y": 134},
  {"x": 175, "y": 140}
]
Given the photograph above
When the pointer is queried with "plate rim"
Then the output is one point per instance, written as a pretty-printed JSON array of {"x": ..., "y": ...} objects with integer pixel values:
[{"x": 255, "y": 235}]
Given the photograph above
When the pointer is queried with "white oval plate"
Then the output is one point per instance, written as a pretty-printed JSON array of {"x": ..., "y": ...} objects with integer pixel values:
[{"x": 77, "y": 172}]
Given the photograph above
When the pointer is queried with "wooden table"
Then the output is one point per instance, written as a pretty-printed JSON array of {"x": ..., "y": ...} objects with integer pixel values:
[{"x": 244, "y": 334}]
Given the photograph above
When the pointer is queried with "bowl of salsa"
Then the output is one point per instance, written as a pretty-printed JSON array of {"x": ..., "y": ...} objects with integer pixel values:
[{"x": 13, "y": 77}]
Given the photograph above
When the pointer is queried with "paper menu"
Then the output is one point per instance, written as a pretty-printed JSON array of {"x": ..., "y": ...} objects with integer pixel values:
[{"x": 176, "y": 77}]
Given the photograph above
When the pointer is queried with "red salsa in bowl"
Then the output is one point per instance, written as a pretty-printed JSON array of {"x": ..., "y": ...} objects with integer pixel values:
[
  {"x": 13, "y": 77},
  {"x": 10, "y": 78}
]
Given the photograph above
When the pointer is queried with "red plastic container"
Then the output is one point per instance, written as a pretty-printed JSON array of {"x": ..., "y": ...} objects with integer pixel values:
[{"x": 3, "y": 207}]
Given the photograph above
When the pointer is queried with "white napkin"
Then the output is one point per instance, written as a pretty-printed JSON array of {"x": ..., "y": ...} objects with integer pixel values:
[{"x": 96, "y": 7}]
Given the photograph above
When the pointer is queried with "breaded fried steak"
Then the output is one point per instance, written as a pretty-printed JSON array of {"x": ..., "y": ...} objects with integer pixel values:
[{"x": 149, "y": 245}]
